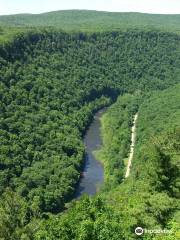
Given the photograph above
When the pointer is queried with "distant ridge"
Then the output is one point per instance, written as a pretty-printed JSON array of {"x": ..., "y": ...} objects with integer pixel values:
[{"x": 91, "y": 20}]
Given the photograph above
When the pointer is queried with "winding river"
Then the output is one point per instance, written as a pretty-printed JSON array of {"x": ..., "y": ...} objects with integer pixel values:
[{"x": 93, "y": 172}]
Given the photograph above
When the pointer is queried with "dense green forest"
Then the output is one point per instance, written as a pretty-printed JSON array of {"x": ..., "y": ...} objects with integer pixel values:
[
  {"x": 150, "y": 196},
  {"x": 51, "y": 84}
]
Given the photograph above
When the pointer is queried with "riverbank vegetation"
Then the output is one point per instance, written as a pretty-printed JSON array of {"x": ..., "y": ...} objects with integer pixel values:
[
  {"x": 51, "y": 84},
  {"x": 116, "y": 132}
]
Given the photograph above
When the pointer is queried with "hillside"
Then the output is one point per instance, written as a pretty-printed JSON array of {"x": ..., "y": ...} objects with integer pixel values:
[
  {"x": 94, "y": 20},
  {"x": 42, "y": 118},
  {"x": 149, "y": 197}
]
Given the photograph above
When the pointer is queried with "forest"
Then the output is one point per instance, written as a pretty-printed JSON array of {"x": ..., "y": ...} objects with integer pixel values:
[
  {"x": 89, "y": 20},
  {"x": 51, "y": 84},
  {"x": 150, "y": 196}
]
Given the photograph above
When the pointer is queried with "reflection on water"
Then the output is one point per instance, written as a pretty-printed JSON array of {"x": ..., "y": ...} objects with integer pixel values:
[{"x": 93, "y": 172}]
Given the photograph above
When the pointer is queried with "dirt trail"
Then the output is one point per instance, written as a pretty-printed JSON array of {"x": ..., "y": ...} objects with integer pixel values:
[{"x": 133, "y": 140}]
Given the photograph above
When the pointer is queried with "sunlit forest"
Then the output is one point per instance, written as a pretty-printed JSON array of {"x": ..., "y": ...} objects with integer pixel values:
[{"x": 53, "y": 80}]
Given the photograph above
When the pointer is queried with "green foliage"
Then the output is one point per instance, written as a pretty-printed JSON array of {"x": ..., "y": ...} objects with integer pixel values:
[
  {"x": 116, "y": 132},
  {"x": 51, "y": 84},
  {"x": 15, "y": 218},
  {"x": 149, "y": 196},
  {"x": 95, "y": 221}
]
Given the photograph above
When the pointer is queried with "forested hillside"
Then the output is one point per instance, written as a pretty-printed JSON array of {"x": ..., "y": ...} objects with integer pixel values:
[
  {"x": 150, "y": 196},
  {"x": 51, "y": 84},
  {"x": 94, "y": 20}
]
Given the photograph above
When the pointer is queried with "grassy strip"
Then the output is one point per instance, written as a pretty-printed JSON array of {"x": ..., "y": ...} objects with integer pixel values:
[{"x": 116, "y": 126}]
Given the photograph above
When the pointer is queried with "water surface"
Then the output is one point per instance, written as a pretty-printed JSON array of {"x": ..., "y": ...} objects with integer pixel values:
[{"x": 93, "y": 172}]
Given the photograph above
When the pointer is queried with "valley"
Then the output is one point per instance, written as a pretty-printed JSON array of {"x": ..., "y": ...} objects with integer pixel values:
[{"x": 57, "y": 72}]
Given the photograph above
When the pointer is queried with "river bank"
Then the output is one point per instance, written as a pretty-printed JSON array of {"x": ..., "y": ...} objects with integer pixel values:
[{"x": 117, "y": 125}]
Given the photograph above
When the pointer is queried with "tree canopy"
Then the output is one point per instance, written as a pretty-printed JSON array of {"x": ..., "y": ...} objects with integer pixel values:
[{"x": 51, "y": 84}]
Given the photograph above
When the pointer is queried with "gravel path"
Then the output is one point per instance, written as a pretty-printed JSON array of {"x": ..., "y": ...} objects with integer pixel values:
[{"x": 133, "y": 140}]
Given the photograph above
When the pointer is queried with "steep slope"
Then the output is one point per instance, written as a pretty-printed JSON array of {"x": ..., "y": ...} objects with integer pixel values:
[{"x": 51, "y": 83}]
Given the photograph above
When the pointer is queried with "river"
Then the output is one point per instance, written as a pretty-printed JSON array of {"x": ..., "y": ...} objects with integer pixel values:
[{"x": 93, "y": 172}]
